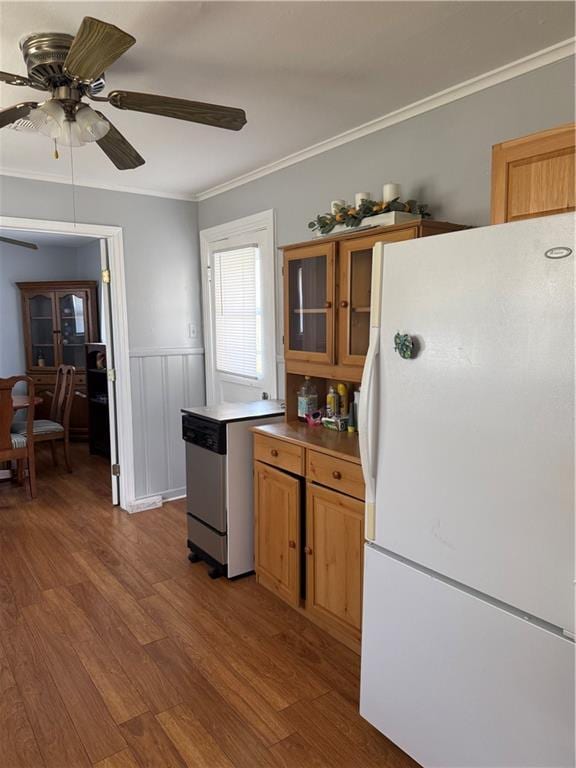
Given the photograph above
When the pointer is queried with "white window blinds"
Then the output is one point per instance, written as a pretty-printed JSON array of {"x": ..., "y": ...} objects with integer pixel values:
[{"x": 238, "y": 311}]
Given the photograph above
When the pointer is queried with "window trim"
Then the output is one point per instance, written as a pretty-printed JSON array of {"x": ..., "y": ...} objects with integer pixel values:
[{"x": 211, "y": 237}]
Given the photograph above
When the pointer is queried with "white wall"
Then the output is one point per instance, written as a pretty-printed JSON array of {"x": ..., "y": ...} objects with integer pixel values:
[{"x": 163, "y": 297}]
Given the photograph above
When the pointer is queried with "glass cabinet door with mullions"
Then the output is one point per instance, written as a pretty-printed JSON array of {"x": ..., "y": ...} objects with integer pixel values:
[
  {"x": 43, "y": 336},
  {"x": 309, "y": 303}
]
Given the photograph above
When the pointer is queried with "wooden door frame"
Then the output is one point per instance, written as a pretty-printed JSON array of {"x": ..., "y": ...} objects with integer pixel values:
[{"x": 115, "y": 247}]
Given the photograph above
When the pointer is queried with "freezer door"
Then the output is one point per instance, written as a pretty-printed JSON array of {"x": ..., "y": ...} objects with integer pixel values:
[
  {"x": 457, "y": 682},
  {"x": 475, "y": 461}
]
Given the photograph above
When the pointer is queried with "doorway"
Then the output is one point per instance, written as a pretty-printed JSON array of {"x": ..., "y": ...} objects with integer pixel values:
[
  {"x": 104, "y": 359},
  {"x": 239, "y": 308}
]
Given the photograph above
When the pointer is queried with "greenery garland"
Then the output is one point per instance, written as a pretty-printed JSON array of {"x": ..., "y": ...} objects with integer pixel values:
[{"x": 352, "y": 217}]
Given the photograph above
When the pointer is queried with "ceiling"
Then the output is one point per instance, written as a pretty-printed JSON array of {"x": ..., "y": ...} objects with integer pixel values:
[
  {"x": 51, "y": 239},
  {"x": 303, "y": 71}
]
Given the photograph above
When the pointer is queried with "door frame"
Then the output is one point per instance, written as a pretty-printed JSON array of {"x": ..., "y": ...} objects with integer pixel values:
[
  {"x": 115, "y": 247},
  {"x": 209, "y": 237}
]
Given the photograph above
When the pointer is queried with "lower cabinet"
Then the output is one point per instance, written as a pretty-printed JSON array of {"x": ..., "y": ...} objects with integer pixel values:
[
  {"x": 277, "y": 528},
  {"x": 334, "y": 560},
  {"x": 309, "y": 541}
]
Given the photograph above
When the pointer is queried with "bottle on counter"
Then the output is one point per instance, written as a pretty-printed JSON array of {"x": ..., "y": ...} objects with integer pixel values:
[
  {"x": 344, "y": 399},
  {"x": 332, "y": 402},
  {"x": 307, "y": 399}
]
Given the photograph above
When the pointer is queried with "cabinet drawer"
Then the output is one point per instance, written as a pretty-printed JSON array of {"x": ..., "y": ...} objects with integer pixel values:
[
  {"x": 43, "y": 378},
  {"x": 279, "y": 453},
  {"x": 336, "y": 473},
  {"x": 49, "y": 379}
]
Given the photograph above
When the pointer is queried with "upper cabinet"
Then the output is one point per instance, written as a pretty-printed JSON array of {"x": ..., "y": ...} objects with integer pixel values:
[
  {"x": 327, "y": 298},
  {"x": 309, "y": 303},
  {"x": 534, "y": 175}
]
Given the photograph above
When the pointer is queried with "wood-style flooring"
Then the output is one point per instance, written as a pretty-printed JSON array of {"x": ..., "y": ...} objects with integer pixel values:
[{"x": 116, "y": 652}]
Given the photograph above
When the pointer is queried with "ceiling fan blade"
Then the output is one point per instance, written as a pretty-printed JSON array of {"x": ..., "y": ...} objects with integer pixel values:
[
  {"x": 7, "y": 77},
  {"x": 11, "y": 114},
  {"x": 119, "y": 149},
  {"x": 97, "y": 45},
  {"x": 23, "y": 243},
  {"x": 230, "y": 118}
]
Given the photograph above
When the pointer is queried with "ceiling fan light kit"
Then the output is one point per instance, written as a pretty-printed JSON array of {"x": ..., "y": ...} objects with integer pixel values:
[{"x": 72, "y": 68}]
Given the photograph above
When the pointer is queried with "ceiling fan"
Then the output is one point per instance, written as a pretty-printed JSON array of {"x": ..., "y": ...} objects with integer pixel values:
[
  {"x": 73, "y": 68},
  {"x": 22, "y": 243}
]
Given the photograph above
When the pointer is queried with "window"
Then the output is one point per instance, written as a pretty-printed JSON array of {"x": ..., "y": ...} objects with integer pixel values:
[{"x": 238, "y": 311}]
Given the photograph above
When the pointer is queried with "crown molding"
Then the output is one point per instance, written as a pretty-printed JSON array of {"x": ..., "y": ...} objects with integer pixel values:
[
  {"x": 32, "y": 176},
  {"x": 502, "y": 74}
]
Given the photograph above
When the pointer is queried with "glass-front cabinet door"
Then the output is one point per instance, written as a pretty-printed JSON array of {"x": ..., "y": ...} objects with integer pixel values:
[
  {"x": 355, "y": 278},
  {"x": 72, "y": 309},
  {"x": 40, "y": 325},
  {"x": 309, "y": 303}
]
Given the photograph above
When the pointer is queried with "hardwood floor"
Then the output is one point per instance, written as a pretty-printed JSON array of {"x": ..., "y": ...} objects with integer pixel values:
[{"x": 116, "y": 652}]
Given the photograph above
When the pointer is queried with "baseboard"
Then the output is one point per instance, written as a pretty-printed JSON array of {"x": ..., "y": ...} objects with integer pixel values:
[
  {"x": 140, "y": 505},
  {"x": 174, "y": 494}
]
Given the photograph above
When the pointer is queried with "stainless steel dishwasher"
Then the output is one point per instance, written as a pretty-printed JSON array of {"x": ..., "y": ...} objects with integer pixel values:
[
  {"x": 219, "y": 482},
  {"x": 206, "y": 489}
]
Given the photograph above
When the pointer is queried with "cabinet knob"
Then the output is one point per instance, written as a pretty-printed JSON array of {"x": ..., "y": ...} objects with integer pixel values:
[
  {"x": 292, "y": 544},
  {"x": 274, "y": 452},
  {"x": 337, "y": 475},
  {"x": 308, "y": 550},
  {"x": 328, "y": 304},
  {"x": 343, "y": 303}
]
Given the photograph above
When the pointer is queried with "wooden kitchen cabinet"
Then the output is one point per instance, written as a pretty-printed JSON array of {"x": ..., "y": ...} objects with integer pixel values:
[
  {"x": 534, "y": 175},
  {"x": 277, "y": 531},
  {"x": 327, "y": 286},
  {"x": 309, "y": 303},
  {"x": 334, "y": 561},
  {"x": 354, "y": 292},
  {"x": 309, "y": 549}
]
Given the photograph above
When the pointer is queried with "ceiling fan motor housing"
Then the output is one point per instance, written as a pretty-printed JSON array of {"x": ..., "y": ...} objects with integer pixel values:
[{"x": 44, "y": 54}]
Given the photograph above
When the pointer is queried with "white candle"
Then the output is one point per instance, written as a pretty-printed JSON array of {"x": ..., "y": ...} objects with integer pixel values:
[
  {"x": 335, "y": 205},
  {"x": 359, "y": 196},
  {"x": 390, "y": 192}
]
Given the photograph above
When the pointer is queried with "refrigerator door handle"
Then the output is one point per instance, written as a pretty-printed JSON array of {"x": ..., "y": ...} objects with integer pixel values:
[{"x": 366, "y": 420}]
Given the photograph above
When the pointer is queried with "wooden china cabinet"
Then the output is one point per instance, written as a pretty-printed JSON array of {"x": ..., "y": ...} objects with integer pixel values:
[
  {"x": 308, "y": 482},
  {"x": 59, "y": 319}
]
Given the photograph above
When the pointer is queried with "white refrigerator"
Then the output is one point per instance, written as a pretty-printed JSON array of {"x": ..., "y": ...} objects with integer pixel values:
[{"x": 467, "y": 446}]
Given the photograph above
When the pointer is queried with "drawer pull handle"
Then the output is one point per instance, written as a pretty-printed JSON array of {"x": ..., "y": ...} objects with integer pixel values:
[
  {"x": 337, "y": 475},
  {"x": 308, "y": 550},
  {"x": 344, "y": 304},
  {"x": 274, "y": 452},
  {"x": 328, "y": 304},
  {"x": 292, "y": 544}
]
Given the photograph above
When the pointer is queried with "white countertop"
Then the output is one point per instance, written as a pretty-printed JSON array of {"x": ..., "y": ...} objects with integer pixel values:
[{"x": 226, "y": 412}]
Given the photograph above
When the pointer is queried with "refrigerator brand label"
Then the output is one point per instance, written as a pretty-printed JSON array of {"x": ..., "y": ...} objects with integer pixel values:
[{"x": 558, "y": 253}]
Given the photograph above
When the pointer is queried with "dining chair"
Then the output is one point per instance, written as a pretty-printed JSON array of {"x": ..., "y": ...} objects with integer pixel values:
[
  {"x": 57, "y": 427},
  {"x": 18, "y": 447}
]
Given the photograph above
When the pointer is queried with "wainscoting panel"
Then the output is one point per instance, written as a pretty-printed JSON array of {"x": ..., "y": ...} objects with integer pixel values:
[{"x": 164, "y": 380}]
